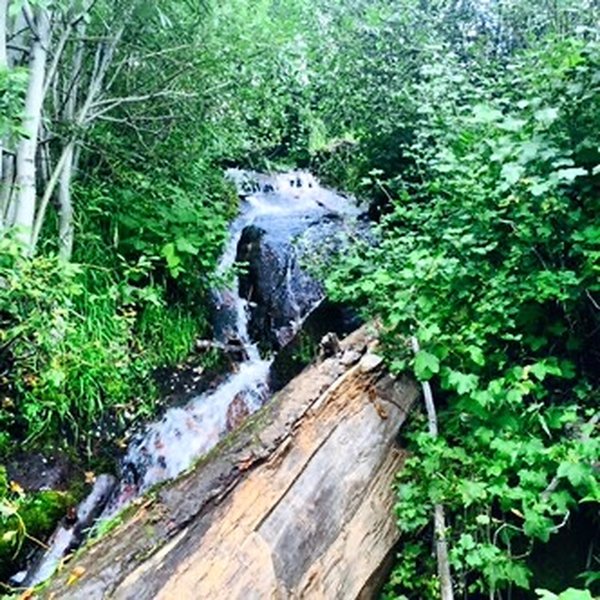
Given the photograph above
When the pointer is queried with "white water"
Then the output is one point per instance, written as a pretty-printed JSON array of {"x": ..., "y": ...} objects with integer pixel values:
[{"x": 172, "y": 445}]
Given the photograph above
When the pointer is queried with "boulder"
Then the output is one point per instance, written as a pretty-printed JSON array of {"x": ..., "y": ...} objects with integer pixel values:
[
  {"x": 279, "y": 291},
  {"x": 298, "y": 503},
  {"x": 237, "y": 412}
]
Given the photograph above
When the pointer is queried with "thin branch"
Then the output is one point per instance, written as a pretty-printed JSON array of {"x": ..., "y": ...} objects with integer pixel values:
[
  {"x": 556, "y": 479},
  {"x": 29, "y": 19},
  {"x": 112, "y": 103},
  {"x": 39, "y": 219},
  {"x": 439, "y": 518},
  {"x": 142, "y": 98},
  {"x": 18, "y": 48},
  {"x": 591, "y": 298}
]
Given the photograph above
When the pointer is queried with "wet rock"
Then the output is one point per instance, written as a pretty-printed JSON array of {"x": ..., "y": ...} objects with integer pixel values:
[
  {"x": 92, "y": 506},
  {"x": 237, "y": 412},
  {"x": 69, "y": 535},
  {"x": 35, "y": 472},
  {"x": 224, "y": 315},
  {"x": 280, "y": 290}
]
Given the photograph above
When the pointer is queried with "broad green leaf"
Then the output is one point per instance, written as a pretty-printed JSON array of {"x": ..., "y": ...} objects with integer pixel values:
[
  {"x": 463, "y": 383},
  {"x": 547, "y": 116},
  {"x": 426, "y": 365},
  {"x": 576, "y": 473},
  {"x": 185, "y": 246},
  {"x": 569, "y": 175},
  {"x": 484, "y": 113},
  {"x": 512, "y": 172}
]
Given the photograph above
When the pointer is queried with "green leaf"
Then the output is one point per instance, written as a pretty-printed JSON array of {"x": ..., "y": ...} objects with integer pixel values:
[
  {"x": 484, "y": 113},
  {"x": 569, "y": 594},
  {"x": 172, "y": 258},
  {"x": 513, "y": 125},
  {"x": 512, "y": 172},
  {"x": 185, "y": 246},
  {"x": 576, "y": 473},
  {"x": 426, "y": 365},
  {"x": 463, "y": 383},
  {"x": 476, "y": 355},
  {"x": 539, "y": 370},
  {"x": 537, "y": 525},
  {"x": 546, "y": 116},
  {"x": 569, "y": 175},
  {"x": 472, "y": 491},
  {"x": 10, "y": 536}
]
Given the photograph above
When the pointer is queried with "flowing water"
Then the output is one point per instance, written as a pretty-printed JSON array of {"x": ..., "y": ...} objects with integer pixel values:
[
  {"x": 285, "y": 203},
  {"x": 170, "y": 446}
]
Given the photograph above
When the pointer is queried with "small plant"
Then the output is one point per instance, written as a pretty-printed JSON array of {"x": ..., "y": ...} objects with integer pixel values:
[{"x": 26, "y": 518}]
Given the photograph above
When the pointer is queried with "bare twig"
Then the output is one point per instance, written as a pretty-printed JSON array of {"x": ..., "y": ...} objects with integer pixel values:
[{"x": 439, "y": 518}]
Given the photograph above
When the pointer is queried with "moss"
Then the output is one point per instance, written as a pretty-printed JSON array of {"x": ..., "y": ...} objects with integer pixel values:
[{"x": 38, "y": 513}]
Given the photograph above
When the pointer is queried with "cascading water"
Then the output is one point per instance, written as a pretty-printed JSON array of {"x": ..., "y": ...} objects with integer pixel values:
[
  {"x": 285, "y": 204},
  {"x": 169, "y": 447}
]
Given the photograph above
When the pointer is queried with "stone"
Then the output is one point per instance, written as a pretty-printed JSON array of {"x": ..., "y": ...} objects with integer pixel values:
[
  {"x": 34, "y": 471},
  {"x": 68, "y": 536},
  {"x": 370, "y": 362},
  {"x": 237, "y": 412},
  {"x": 350, "y": 357},
  {"x": 280, "y": 292}
]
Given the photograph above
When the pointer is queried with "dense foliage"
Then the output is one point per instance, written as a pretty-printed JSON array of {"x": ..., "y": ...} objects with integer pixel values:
[
  {"x": 150, "y": 208},
  {"x": 488, "y": 254},
  {"x": 143, "y": 105},
  {"x": 472, "y": 128}
]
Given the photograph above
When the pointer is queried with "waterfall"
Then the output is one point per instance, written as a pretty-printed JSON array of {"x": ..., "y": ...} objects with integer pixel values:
[{"x": 287, "y": 202}]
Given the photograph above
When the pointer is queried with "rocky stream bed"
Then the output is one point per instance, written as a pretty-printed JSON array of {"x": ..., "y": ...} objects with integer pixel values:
[{"x": 295, "y": 501}]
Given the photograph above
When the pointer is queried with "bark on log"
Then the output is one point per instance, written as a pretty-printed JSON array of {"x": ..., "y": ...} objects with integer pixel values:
[{"x": 296, "y": 504}]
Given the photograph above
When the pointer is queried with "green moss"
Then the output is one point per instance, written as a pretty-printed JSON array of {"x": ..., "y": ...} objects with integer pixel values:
[
  {"x": 42, "y": 510},
  {"x": 36, "y": 517}
]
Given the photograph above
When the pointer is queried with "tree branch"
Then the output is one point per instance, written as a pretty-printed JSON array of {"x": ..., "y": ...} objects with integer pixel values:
[{"x": 439, "y": 518}]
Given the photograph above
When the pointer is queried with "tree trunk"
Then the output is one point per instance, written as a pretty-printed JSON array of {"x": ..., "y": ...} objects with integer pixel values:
[
  {"x": 3, "y": 25},
  {"x": 3, "y": 66},
  {"x": 297, "y": 503},
  {"x": 7, "y": 190},
  {"x": 65, "y": 229},
  {"x": 26, "y": 168}
]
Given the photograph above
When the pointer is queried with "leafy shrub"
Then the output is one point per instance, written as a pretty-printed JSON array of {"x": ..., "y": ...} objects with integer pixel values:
[
  {"x": 490, "y": 257},
  {"x": 79, "y": 347}
]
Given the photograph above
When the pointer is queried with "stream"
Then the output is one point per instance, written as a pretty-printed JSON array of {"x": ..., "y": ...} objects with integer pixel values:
[{"x": 284, "y": 220}]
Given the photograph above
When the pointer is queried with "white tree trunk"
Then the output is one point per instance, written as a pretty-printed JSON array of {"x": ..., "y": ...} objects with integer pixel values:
[
  {"x": 25, "y": 197},
  {"x": 65, "y": 229},
  {"x": 3, "y": 26},
  {"x": 3, "y": 66},
  {"x": 7, "y": 190}
]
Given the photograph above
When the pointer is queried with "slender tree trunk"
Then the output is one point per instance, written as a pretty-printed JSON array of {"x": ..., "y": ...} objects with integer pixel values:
[
  {"x": 439, "y": 518},
  {"x": 26, "y": 154},
  {"x": 7, "y": 184},
  {"x": 3, "y": 66},
  {"x": 3, "y": 27},
  {"x": 65, "y": 230}
]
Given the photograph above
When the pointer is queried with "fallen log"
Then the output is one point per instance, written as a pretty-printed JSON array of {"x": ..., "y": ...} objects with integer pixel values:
[{"x": 296, "y": 504}]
